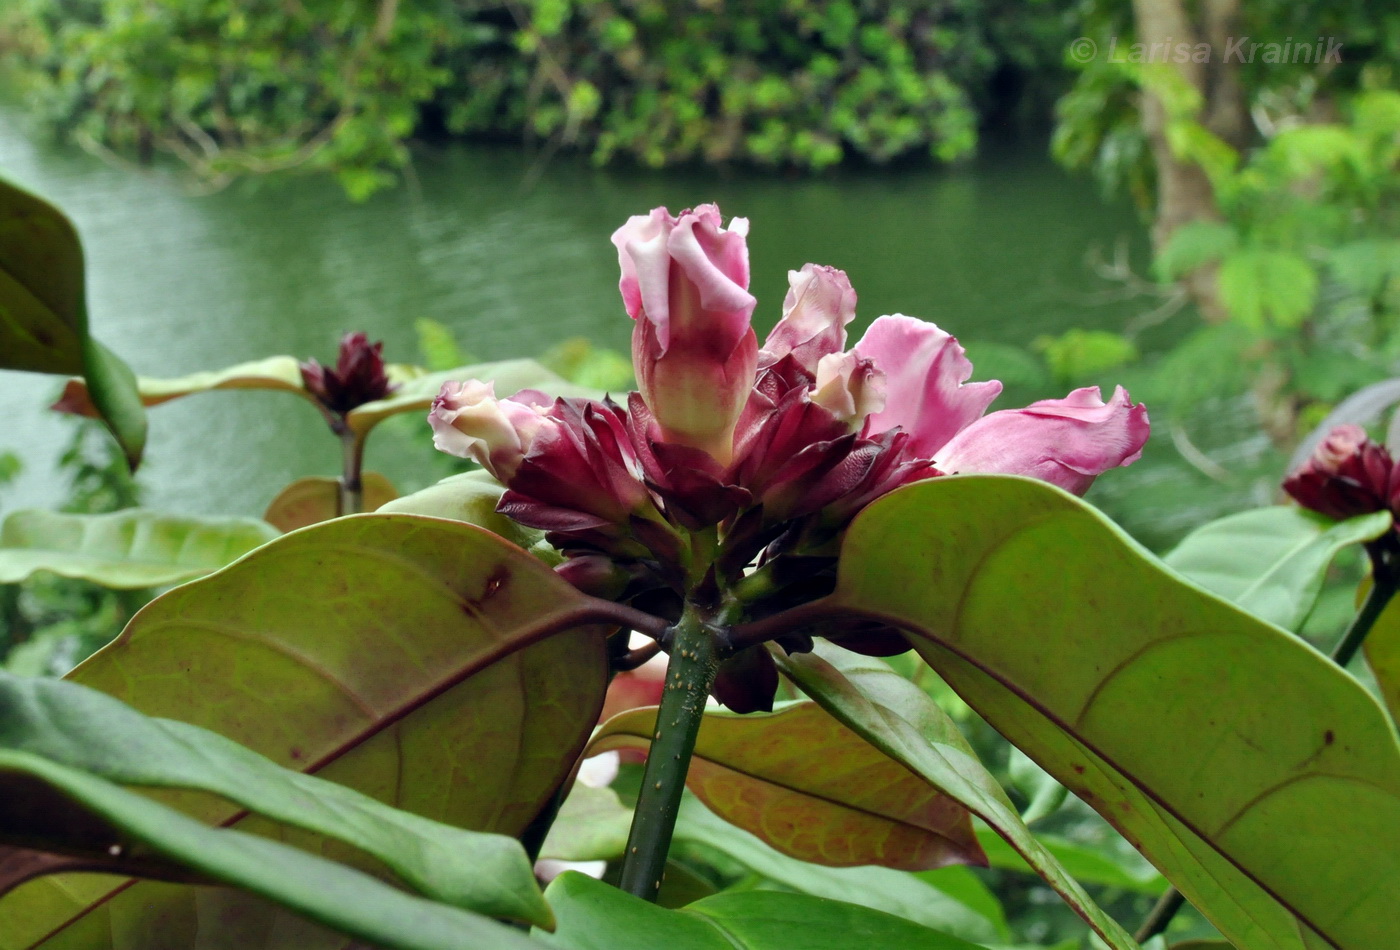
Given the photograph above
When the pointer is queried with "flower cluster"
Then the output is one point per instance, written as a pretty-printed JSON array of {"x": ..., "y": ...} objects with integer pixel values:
[
  {"x": 358, "y": 376},
  {"x": 1348, "y": 475},
  {"x": 733, "y": 469}
]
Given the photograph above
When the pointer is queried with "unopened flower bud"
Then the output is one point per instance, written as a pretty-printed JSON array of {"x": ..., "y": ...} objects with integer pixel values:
[
  {"x": 685, "y": 283},
  {"x": 358, "y": 376},
  {"x": 469, "y": 422},
  {"x": 1348, "y": 475}
]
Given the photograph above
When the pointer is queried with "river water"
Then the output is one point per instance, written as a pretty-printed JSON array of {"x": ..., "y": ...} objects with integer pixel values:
[{"x": 513, "y": 256}]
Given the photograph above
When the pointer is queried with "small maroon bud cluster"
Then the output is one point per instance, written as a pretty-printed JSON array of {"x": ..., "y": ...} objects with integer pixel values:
[
  {"x": 1348, "y": 475},
  {"x": 358, "y": 376}
]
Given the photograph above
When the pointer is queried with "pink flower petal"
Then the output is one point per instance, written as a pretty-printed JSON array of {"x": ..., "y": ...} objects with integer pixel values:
[
  {"x": 1066, "y": 442},
  {"x": 926, "y": 389}
]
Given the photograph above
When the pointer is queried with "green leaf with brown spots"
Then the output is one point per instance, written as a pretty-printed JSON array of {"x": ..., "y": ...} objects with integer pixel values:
[
  {"x": 426, "y": 663},
  {"x": 813, "y": 789},
  {"x": 1261, "y": 779}
]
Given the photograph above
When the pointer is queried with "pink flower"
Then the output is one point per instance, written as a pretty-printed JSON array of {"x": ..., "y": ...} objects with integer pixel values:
[
  {"x": 685, "y": 283},
  {"x": 926, "y": 389},
  {"x": 469, "y": 422},
  {"x": 819, "y": 304},
  {"x": 1066, "y": 442}
]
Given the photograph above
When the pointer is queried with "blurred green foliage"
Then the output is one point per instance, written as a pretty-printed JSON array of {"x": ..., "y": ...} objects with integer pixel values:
[
  {"x": 243, "y": 87},
  {"x": 49, "y": 624}
]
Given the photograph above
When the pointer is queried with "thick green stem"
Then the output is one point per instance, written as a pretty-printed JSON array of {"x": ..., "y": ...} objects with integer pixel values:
[
  {"x": 352, "y": 493},
  {"x": 689, "y": 676}
]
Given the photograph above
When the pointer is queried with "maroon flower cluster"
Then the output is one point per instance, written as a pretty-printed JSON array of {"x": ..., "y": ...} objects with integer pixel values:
[
  {"x": 1348, "y": 475},
  {"x": 358, "y": 376}
]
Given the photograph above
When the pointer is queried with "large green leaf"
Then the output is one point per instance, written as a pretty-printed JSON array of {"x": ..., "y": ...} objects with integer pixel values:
[
  {"x": 1382, "y": 650},
  {"x": 899, "y": 720},
  {"x": 51, "y": 797},
  {"x": 125, "y": 549},
  {"x": 942, "y": 899},
  {"x": 86, "y": 731},
  {"x": 813, "y": 789},
  {"x": 1262, "y": 780},
  {"x": 596, "y": 916},
  {"x": 1271, "y": 561},
  {"x": 424, "y": 662},
  {"x": 43, "y": 313}
]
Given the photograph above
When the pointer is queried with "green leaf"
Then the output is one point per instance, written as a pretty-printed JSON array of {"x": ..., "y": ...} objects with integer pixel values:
[
  {"x": 43, "y": 317},
  {"x": 592, "y": 825},
  {"x": 114, "y": 392},
  {"x": 309, "y": 501},
  {"x": 1382, "y": 651},
  {"x": 43, "y": 313},
  {"x": 1193, "y": 244},
  {"x": 424, "y": 662},
  {"x": 1261, "y": 286},
  {"x": 278, "y": 373},
  {"x": 347, "y": 900},
  {"x": 83, "y": 730},
  {"x": 926, "y": 897},
  {"x": 596, "y": 916},
  {"x": 812, "y": 788},
  {"x": 1262, "y": 780},
  {"x": 900, "y": 720},
  {"x": 1085, "y": 864},
  {"x": 1271, "y": 561},
  {"x": 470, "y": 497},
  {"x": 124, "y": 550}
]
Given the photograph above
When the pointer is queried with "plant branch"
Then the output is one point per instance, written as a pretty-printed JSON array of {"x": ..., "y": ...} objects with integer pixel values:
[
  {"x": 1161, "y": 914},
  {"x": 689, "y": 677},
  {"x": 803, "y": 615}
]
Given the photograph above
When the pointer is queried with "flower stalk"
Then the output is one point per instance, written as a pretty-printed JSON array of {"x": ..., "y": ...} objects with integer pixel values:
[
  {"x": 695, "y": 656},
  {"x": 351, "y": 499}
]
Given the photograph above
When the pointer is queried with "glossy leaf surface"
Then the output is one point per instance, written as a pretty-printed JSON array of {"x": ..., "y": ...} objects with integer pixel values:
[
  {"x": 89, "y": 732},
  {"x": 1271, "y": 561},
  {"x": 426, "y": 663},
  {"x": 347, "y": 900},
  {"x": 595, "y": 916},
  {"x": 309, "y": 501},
  {"x": 813, "y": 789},
  {"x": 127, "y": 549},
  {"x": 899, "y": 720},
  {"x": 1263, "y": 780}
]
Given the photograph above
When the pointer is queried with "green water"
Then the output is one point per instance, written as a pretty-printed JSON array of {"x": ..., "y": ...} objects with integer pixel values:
[{"x": 514, "y": 257}]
